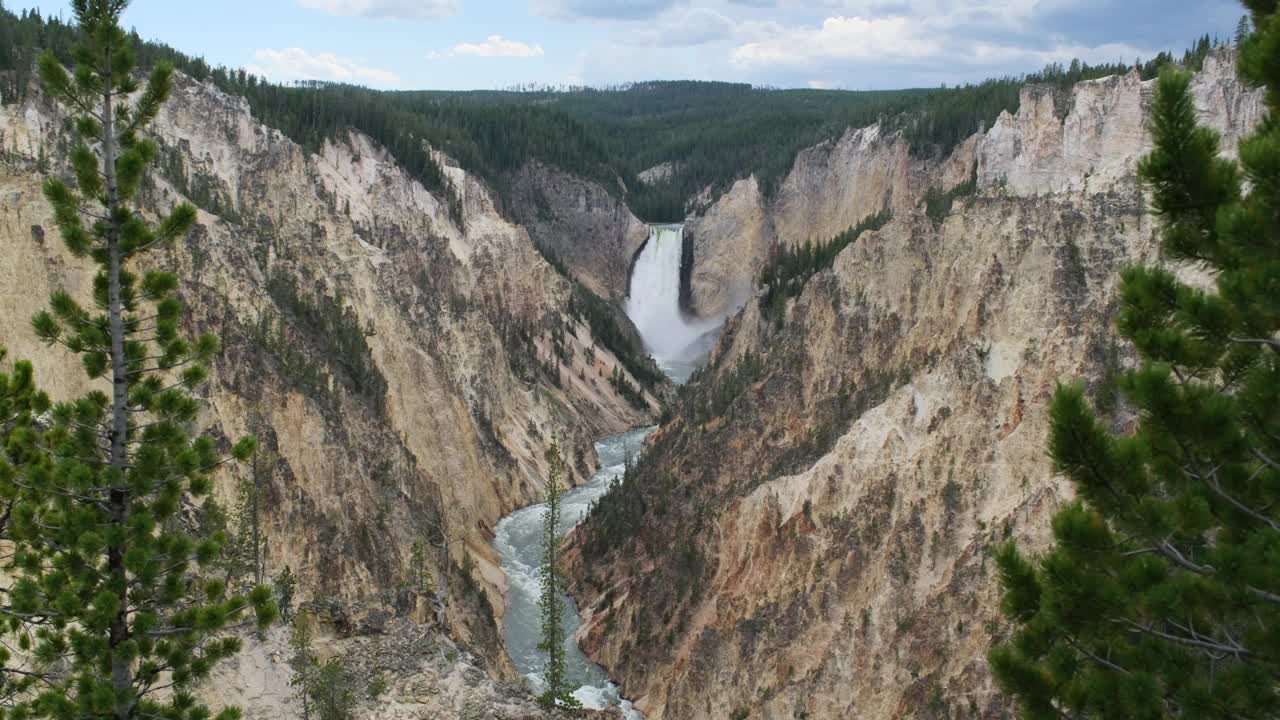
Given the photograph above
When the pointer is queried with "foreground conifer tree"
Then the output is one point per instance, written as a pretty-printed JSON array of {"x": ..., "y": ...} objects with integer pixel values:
[
  {"x": 556, "y": 690},
  {"x": 21, "y": 403},
  {"x": 110, "y": 608},
  {"x": 1161, "y": 594}
]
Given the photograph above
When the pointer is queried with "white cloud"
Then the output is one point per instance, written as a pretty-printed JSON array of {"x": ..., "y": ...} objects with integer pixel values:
[
  {"x": 603, "y": 9},
  {"x": 902, "y": 42},
  {"x": 840, "y": 38},
  {"x": 683, "y": 28},
  {"x": 988, "y": 54},
  {"x": 493, "y": 46},
  {"x": 821, "y": 85},
  {"x": 290, "y": 64},
  {"x": 401, "y": 9}
]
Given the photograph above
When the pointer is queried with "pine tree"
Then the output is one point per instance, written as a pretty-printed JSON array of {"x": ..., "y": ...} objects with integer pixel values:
[
  {"x": 246, "y": 549},
  {"x": 303, "y": 661},
  {"x": 114, "y": 603},
  {"x": 1161, "y": 594},
  {"x": 283, "y": 586},
  {"x": 328, "y": 690},
  {"x": 336, "y": 690},
  {"x": 556, "y": 689},
  {"x": 261, "y": 475},
  {"x": 1243, "y": 29},
  {"x": 420, "y": 579},
  {"x": 20, "y": 405}
]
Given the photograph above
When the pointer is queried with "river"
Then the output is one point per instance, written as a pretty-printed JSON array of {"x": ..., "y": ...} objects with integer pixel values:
[
  {"x": 678, "y": 343},
  {"x": 519, "y": 543}
]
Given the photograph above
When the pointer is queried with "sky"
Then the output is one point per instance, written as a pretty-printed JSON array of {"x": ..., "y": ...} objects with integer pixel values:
[{"x": 850, "y": 44}]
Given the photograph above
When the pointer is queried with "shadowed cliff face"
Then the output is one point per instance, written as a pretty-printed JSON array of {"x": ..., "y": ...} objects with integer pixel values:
[
  {"x": 809, "y": 536},
  {"x": 405, "y": 369},
  {"x": 594, "y": 234}
]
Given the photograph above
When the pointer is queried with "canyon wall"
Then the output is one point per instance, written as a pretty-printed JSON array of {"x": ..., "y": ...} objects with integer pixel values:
[
  {"x": 404, "y": 368},
  {"x": 809, "y": 536},
  {"x": 595, "y": 235}
]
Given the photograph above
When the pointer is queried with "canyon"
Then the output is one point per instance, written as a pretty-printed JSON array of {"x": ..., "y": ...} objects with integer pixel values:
[
  {"x": 809, "y": 536},
  {"x": 807, "y": 532},
  {"x": 404, "y": 370}
]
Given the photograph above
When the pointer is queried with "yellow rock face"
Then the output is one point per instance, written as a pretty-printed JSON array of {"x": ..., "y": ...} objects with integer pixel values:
[
  {"x": 822, "y": 549},
  {"x": 456, "y": 316}
]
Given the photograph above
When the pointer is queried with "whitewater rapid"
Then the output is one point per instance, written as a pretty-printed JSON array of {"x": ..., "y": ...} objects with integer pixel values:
[
  {"x": 676, "y": 341},
  {"x": 518, "y": 540}
]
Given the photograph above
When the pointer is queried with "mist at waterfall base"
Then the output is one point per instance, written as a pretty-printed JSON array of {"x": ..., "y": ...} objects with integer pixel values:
[
  {"x": 678, "y": 343},
  {"x": 518, "y": 540}
]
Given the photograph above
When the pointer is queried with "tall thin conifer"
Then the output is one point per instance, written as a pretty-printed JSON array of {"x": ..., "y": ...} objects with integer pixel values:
[
  {"x": 113, "y": 605},
  {"x": 556, "y": 684}
]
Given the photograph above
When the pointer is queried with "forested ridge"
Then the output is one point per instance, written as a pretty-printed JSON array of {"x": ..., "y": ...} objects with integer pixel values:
[
  {"x": 486, "y": 140},
  {"x": 713, "y": 133}
]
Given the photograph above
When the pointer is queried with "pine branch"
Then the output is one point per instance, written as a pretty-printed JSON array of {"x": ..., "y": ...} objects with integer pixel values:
[
  {"x": 47, "y": 678},
  {"x": 1217, "y": 489},
  {"x": 157, "y": 369},
  {"x": 97, "y": 502},
  {"x": 1101, "y": 661},
  {"x": 1264, "y": 342},
  {"x": 170, "y": 632},
  {"x": 1171, "y": 552},
  {"x": 1263, "y": 457},
  {"x": 1235, "y": 650},
  {"x": 82, "y": 105}
]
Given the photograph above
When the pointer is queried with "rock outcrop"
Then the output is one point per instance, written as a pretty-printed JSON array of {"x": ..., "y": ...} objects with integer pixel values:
[
  {"x": 810, "y": 535},
  {"x": 722, "y": 280},
  {"x": 1058, "y": 142},
  {"x": 400, "y": 670},
  {"x": 659, "y": 173},
  {"x": 595, "y": 235},
  {"x": 404, "y": 367}
]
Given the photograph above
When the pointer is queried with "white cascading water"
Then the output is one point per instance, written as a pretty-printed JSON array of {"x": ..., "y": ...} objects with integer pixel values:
[{"x": 674, "y": 340}]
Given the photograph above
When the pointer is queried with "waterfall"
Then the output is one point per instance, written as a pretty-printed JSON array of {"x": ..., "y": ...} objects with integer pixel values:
[{"x": 676, "y": 341}]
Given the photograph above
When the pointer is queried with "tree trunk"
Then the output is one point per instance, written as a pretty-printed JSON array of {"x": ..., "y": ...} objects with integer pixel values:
[
  {"x": 257, "y": 539},
  {"x": 121, "y": 669}
]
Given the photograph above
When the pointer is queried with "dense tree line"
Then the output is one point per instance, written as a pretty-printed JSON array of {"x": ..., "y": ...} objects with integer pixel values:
[
  {"x": 487, "y": 140},
  {"x": 22, "y": 38},
  {"x": 947, "y": 117},
  {"x": 713, "y": 133},
  {"x": 602, "y": 318},
  {"x": 785, "y": 274}
]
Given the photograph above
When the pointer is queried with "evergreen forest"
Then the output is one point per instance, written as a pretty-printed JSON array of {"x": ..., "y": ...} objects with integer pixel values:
[{"x": 712, "y": 133}]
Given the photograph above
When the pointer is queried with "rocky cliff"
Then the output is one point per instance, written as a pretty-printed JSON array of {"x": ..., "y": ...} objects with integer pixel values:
[
  {"x": 581, "y": 224},
  {"x": 809, "y": 536},
  {"x": 405, "y": 366}
]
